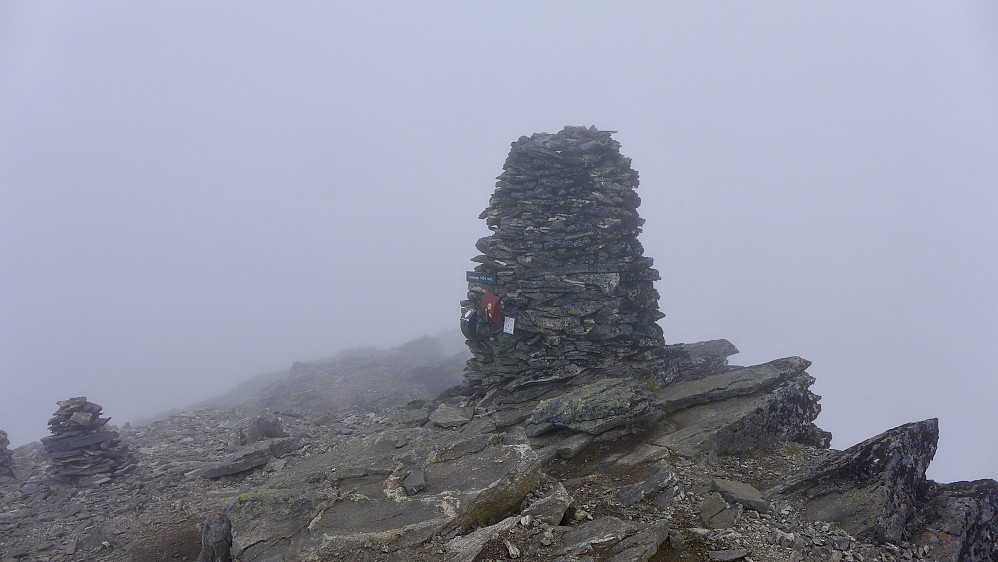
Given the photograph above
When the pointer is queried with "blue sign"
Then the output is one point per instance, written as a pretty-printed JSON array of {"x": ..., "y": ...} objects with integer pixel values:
[{"x": 479, "y": 277}]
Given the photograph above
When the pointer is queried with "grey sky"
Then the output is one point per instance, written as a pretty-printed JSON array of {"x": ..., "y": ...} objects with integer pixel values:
[{"x": 194, "y": 193}]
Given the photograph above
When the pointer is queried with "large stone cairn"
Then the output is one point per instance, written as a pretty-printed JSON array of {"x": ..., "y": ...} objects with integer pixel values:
[
  {"x": 81, "y": 449},
  {"x": 569, "y": 268},
  {"x": 6, "y": 457}
]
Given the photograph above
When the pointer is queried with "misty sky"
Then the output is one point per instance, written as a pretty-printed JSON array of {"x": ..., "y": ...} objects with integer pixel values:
[{"x": 192, "y": 193}]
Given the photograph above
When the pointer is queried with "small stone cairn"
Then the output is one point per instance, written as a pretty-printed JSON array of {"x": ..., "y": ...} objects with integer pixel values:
[
  {"x": 567, "y": 265},
  {"x": 6, "y": 457},
  {"x": 81, "y": 450}
]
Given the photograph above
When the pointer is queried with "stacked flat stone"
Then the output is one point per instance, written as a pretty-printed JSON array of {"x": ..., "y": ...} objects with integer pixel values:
[
  {"x": 6, "y": 457},
  {"x": 564, "y": 249},
  {"x": 81, "y": 448}
]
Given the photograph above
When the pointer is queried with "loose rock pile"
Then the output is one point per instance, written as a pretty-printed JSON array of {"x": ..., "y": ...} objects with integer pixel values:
[
  {"x": 568, "y": 267},
  {"x": 6, "y": 457},
  {"x": 81, "y": 450}
]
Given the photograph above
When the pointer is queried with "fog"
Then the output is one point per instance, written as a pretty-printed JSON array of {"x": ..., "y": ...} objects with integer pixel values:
[{"x": 193, "y": 193}]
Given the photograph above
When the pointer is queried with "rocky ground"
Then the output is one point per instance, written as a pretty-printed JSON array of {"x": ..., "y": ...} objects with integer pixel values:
[{"x": 450, "y": 480}]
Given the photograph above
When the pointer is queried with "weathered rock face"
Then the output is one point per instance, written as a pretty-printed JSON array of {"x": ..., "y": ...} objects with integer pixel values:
[
  {"x": 567, "y": 266},
  {"x": 365, "y": 492},
  {"x": 741, "y": 409},
  {"x": 6, "y": 457},
  {"x": 81, "y": 450},
  {"x": 871, "y": 489},
  {"x": 594, "y": 408},
  {"x": 959, "y": 522},
  {"x": 690, "y": 361}
]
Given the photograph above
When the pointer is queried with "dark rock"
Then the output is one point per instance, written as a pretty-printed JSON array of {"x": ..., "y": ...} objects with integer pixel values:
[
  {"x": 550, "y": 507},
  {"x": 216, "y": 540},
  {"x": 6, "y": 457},
  {"x": 595, "y": 408},
  {"x": 871, "y": 489},
  {"x": 740, "y": 492},
  {"x": 448, "y": 416},
  {"x": 245, "y": 459},
  {"x": 604, "y": 531},
  {"x": 409, "y": 417},
  {"x": 959, "y": 521},
  {"x": 741, "y": 409},
  {"x": 691, "y": 361},
  {"x": 468, "y": 547},
  {"x": 661, "y": 480},
  {"x": 642, "y": 545},
  {"x": 415, "y": 482},
  {"x": 267, "y": 426},
  {"x": 711, "y": 506}
]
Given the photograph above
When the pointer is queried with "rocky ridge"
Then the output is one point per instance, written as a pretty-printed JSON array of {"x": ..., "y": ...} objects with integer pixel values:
[{"x": 679, "y": 482}]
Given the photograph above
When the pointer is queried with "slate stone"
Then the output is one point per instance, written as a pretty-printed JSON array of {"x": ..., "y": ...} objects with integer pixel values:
[
  {"x": 642, "y": 545},
  {"x": 6, "y": 457},
  {"x": 551, "y": 506},
  {"x": 741, "y": 409},
  {"x": 606, "y": 530},
  {"x": 711, "y": 506},
  {"x": 871, "y": 489},
  {"x": 466, "y": 548},
  {"x": 415, "y": 482},
  {"x": 216, "y": 540},
  {"x": 661, "y": 480},
  {"x": 267, "y": 426},
  {"x": 448, "y": 416},
  {"x": 409, "y": 417},
  {"x": 594, "y": 408},
  {"x": 740, "y": 492},
  {"x": 245, "y": 459},
  {"x": 958, "y": 521}
]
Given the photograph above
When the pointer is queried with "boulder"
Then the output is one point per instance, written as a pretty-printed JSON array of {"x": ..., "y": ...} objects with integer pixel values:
[
  {"x": 716, "y": 513},
  {"x": 605, "y": 531},
  {"x": 410, "y": 417},
  {"x": 691, "y": 361},
  {"x": 958, "y": 522},
  {"x": 448, "y": 416},
  {"x": 594, "y": 408},
  {"x": 871, "y": 489},
  {"x": 267, "y": 426},
  {"x": 642, "y": 545},
  {"x": 661, "y": 480},
  {"x": 216, "y": 539},
  {"x": 740, "y": 492},
  {"x": 6, "y": 457},
  {"x": 741, "y": 409},
  {"x": 246, "y": 458},
  {"x": 467, "y": 547},
  {"x": 550, "y": 507}
]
